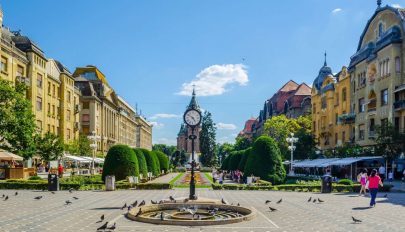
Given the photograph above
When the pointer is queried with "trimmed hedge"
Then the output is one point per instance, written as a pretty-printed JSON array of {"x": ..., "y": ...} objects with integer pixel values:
[
  {"x": 242, "y": 163},
  {"x": 265, "y": 161},
  {"x": 121, "y": 161},
  {"x": 152, "y": 162},
  {"x": 345, "y": 182},
  {"x": 234, "y": 159},
  {"x": 225, "y": 163},
  {"x": 143, "y": 168},
  {"x": 163, "y": 160}
]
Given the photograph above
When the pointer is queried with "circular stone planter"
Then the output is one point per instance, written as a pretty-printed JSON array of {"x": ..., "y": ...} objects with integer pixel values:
[{"x": 177, "y": 213}]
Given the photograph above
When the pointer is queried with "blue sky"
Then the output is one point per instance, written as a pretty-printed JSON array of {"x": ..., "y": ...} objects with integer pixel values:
[{"x": 238, "y": 53}]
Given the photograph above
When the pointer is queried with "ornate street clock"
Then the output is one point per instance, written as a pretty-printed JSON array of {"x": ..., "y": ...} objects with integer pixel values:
[{"x": 192, "y": 117}]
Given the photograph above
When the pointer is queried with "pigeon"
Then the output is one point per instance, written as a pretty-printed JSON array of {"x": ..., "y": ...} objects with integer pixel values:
[
  {"x": 16, "y": 193},
  {"x": 76, "y": 198},
  {"x": 103, "y": 227},
  {"x": 135, "y": 204},
  {"x": 320, "y": 201},
  {"x": 314, "y": 200},
  {"x": 223, "y": 201},
  {"x": 171, "y": 198},
  {"x": 162, "y": 217},
  {"x": 232, "y": 203},
  {"x": 268, "y": 201},
  {"x": 198, "y": 217},
  {"x": 160, "y": 202},
  {"x": 141, "y": 204},
  {"x": 68, "y": 202},
  {"x": 185, "y": 200},
  {"x": 6, "y": 198},
  {"x": 310, "y": 198},
  {"x": 53, "y": 192},
  {"x": 124, "y": 206},
  {"x": 386, "y": 195},
  {"x": 139, "y": 212},
  {"x": 279, "y": 201},
  {"x": 3, "y": 196},
  {"x": 112, "y": 227},
  {"x": 129, "y": 207},
  {"x": 102, "y": 218},
  {"x": 153, "y": 202},
  {"x": 38, "y": 197},
  {"x": 356, "y": 220},
  {"x": 272, "y": 209},
  {"x": 238, "y": 204},
  {"x": 70, "y": 190}
]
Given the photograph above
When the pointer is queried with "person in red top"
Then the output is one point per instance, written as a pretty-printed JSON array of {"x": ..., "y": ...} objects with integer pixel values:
[
  {"x": 60, "y": 170},
  {"x": 373, "y": 181}
]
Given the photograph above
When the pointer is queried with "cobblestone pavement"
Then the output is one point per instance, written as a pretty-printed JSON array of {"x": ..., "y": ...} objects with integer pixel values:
[{"x": 23, "y": 213}]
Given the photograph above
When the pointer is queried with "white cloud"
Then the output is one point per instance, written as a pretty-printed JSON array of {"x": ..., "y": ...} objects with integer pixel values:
[
  {"x": 157, "y": 125},
  {"x": 165, "y": 141},
  {"x": 396, "y": 5},
  {"x": 163, "y": 115},
  {"x": 225, "y": 126},
  {"x": 337, "y": 10},
  {"x": 215, "y": 79},
  {"x": 234, "y": 135}
]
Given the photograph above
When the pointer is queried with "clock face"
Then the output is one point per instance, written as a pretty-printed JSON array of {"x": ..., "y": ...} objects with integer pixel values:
[{"x": 192, "y": 117}]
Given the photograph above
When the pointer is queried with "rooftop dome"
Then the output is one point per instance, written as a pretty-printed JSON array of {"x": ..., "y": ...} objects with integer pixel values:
[{"x": 323, "y": 73}]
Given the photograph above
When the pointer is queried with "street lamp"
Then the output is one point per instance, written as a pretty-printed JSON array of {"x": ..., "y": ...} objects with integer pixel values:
[
  {"x": 292, "y": 140},
  {"x": 93, "y": 138}
]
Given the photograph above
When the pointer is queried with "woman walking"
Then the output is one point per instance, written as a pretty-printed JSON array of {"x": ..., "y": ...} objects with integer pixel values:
[
  {"x": 362, "y": 178},
  {"x": 373, "y": 181}
]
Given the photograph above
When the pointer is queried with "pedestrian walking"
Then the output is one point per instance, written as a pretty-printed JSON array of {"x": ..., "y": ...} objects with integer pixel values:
[
  {"x": 362, "y": 179},
  {"x": 221, "y": 177},
  {"x": 374, "y": 181},
  {"x": 390, "y": 176},
  {"x": 60, "y": 171},
  {"x": 381, "y": 172}
]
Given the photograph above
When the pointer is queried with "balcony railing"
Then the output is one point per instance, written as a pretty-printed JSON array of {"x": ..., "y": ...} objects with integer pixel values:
[
  {"x": 371, "y": 134},
  {"x": 399, "y": 105},
  {"x": 347, "y": 118}
]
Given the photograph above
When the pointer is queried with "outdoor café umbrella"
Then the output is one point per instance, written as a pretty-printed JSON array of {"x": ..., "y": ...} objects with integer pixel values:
[{"x": 5, "y": 155}]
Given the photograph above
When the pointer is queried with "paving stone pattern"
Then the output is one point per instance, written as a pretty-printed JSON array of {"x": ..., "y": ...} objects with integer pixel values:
[{"x": 23, "y": 213}]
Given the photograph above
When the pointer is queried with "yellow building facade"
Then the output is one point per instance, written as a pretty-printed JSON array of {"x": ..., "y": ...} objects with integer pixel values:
[{"x": 332, "y": 118}]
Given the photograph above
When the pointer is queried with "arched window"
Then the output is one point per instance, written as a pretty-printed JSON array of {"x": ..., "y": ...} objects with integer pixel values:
[
  {"x": 380, "y": 30},
  {"x": 397, "y": 64},
  {"x": 344, "y": 95}
]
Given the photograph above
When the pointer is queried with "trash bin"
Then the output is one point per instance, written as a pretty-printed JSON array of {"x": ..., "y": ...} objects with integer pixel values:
[
  {"x": 110, "y": 183},
  {"x": 326, "y": 184},
  {"x": 53, "y": 182}
]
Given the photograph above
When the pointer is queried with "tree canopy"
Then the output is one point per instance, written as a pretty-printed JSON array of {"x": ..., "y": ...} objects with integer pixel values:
[
  {"x": 49, "y": 147},
  {"x": 207, "y": 140}
]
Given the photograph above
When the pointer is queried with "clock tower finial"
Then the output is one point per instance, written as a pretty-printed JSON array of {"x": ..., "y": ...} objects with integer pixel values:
[
  {"x": 193, "y": 102},
  {"x": 379, "y": 3},
  {"x": 324, "y": 63}
]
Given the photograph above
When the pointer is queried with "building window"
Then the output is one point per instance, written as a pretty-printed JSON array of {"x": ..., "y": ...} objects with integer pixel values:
[
  {"x": 361, "y": 132},
  {"x": 57, "y": 111},
  {"x": 53, "y": 110},
  {"x": 323, "y": 102},
  {"x": 86, "y": 118},
  {"x": 39, "y": 104},
  {"x": 68, "y": 115},
  {"x": 397, "y": 64},
  {"x": 372, "y": 127},
  {"x": 384, "y": 122},
  {"x": 86, "y": 105},
  {"x": 49, "y": 127},
  {"x": 384, "y": 97},
  {"x": 343, "y": 136},
  {"x": 49, "y": 109},
  {"x": 20, "y": 71},
  {"x": 39, "y": 125},
  {"x": 53, "y": 91},
  {"x": 69, "y": 97},
  {"x": 39, "y": 80},
  {"x": 361, "y": 105},
  {"x": 4, "y": 63},
  {"x": 68, "y": 134},
  {"x": 58, "y": 92},
  {"x": 336, "y": 138},
  {"x": 337, "y": 99},
  {"x": 380, "y": 30},
  {"x": 344, "y": 95},
  {"x": 336, "y": 119},
  {"x": 49, "y": 88}
]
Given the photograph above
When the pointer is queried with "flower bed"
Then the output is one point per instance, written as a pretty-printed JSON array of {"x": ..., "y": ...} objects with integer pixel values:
[{"x": 200, "y": 178}]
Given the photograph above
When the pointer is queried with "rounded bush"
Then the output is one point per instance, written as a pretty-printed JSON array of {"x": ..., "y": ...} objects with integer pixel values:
[
  {"x": 265, "y": 161},
  {"x": 163, "y": 160},
  {"x": 225, "y": 163},
  {"x": 243, "y": 159},
  {"x": 345, "y": 182},
  {"x": 235, "y": 158},
  {"x": 121, "y": 161},
  {"x": 152, "y": 162},
  {"x": 143, "y": 168}
]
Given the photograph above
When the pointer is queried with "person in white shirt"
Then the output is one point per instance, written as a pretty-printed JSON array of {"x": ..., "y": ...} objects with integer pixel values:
[
  {"x": 381, "y": 172},
  {"x": 390, "y": 176}
]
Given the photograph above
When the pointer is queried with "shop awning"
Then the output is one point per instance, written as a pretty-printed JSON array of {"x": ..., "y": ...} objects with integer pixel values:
[
  {"x": 350, "y": 160},
  {"x": 96, "y": 160},
  {"x": 331, "y": 162},
  {"x": 77, "y": 158},
  {"x": 5, "y": 155}
]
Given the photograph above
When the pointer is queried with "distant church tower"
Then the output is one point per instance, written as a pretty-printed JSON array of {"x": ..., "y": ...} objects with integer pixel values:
[{"x": 183, "y": 143}]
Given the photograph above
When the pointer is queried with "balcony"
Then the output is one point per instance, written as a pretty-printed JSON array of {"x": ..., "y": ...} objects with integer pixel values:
[
  {"x": 399, "y": 105},
  {"x": 371, "y": 134},
  {"x": 347, "y": 118},
  {"x": 77, "y": 108}
]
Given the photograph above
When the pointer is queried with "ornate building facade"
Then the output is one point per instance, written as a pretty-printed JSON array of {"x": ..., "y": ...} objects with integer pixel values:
[
  {"x": 377, "y": 74},
  {"x": 292, "y": 100},
  {"x": 183, "y": 143},
  {"x": 332, "y": 118}
]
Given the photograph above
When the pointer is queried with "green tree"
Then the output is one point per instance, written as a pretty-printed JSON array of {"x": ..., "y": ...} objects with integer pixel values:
[
  {"x": 207, "y": 140},
  {"x": 242, "y": 143},
  {"x": 389, "y": 141},
  {"x": 143, "y": 168},
  {"x": 17, "y": 125},
  {"x": 121, "y": 161},
  {"x": 79, "y": 147},
  {"x": 223, "y": 150},
  {"x": 234, "y": 159},
  {"x": 167, "y": 149},
  {"x": 242, "y": 163},
  {"x": 265, "y": 161},
  {"x": 183, "y": 158},
  {"x": 49, "y": 147}
]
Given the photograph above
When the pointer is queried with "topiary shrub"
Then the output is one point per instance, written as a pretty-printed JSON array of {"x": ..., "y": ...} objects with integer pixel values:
[
  {"x": 163, "y": 160},
  {"x": 235, "y": 158},
  {"x": 152, "y": 162},
  {"x": 121, "y": 161},
  {"x": 265, "y": 161},
  {"x": 243, "y": 159},
  {"x": 225, "y": 163},
  {"x": 34, "y": 178},
  {"x": 143, "y": 168},
  {"x": 345, "y": 182}
]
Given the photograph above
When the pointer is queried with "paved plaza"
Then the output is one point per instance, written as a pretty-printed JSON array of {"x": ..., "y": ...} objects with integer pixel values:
[{"x": 23, "y": 213}]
